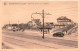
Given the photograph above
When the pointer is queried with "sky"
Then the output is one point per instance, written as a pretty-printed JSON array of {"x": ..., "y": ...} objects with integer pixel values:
[{"x": 20, "y": 12}]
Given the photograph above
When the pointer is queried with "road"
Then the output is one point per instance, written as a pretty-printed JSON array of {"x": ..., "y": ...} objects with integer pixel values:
[{"x": 32, "y": 40}]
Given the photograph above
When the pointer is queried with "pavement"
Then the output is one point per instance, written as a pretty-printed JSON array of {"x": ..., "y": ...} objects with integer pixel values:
[{"x": 33, "y": 40}]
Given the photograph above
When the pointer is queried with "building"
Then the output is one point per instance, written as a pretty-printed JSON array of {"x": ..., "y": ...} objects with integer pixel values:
[
  {"x": 50, "y": 24},
  {"x": 15, "y": 26},
  {"x": 7, "y": 26},
  {"x": 59, "y": 26},
  {"x": 46, "y": 29},
  {"x": 63, "y": 20},
  {"x": 34, "y": 23},
  {"x": 37, "y": 21}
]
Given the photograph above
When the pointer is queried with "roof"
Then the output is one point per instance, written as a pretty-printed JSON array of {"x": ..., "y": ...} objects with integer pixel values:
[
  {"x": 63, "y": 18},
  {"x": 14, "y": 24},
  {"x": 45, "y": 27},
  {"x": 36, "y": 20},
  {"x": 48, "y": 22},
  {"x": 59, "y": 25}
]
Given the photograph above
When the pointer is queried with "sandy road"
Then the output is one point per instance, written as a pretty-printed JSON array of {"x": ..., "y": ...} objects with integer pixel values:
[{"x": 36, "y": 41}]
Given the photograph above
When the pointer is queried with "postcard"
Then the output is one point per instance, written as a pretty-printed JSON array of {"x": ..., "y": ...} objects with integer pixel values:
[{"x": 36, "y": 25}]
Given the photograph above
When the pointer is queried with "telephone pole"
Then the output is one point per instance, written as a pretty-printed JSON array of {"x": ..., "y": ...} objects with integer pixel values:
[
  {"x": 9, "y": 23},
  {"x": 43, "y": 23},
  {"x": 42, "y": 14},
  {"x": 18, "y": 23}
]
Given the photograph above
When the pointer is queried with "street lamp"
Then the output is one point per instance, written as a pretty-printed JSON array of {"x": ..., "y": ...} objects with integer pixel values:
[{"x": 42, "y": 14}]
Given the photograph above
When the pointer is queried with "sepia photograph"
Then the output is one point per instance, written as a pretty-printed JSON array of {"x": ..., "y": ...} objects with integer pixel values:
[{"x": 39, "y": 25}]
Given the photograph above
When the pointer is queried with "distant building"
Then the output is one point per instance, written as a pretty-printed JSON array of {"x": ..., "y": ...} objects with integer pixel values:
[
  {"x": 30, "y": 23},
  {"x": 46, "y": 29},
  {"x": 49, "y": 24},
  {"x": 63, "y": 20},
  {"x": 58, "y": 26},
  {"x": 34, "y": 23},
  {"x": 8, "y": 26},
  {"x": 37, "y": 21},
  {"x": 14, "y": 26}
]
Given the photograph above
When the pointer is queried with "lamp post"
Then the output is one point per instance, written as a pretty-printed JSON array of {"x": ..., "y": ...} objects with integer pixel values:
[{"x": 42, "y": 14}]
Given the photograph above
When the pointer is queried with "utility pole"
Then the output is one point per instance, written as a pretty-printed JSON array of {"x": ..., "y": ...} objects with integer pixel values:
[
  {"x": 43, "y": 23},
  {"x": 42, "y": 14},
  {"x": 18, "y": 23},
  {"x": 9, "y": 23}
]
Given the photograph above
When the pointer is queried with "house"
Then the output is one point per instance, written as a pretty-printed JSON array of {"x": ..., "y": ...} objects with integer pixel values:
[
  {"x": 34, "y": 23},
  {"x": 8, "y": 26},
  {"x": 63, "y": 20},
  {"x": 37, "y": 21}
]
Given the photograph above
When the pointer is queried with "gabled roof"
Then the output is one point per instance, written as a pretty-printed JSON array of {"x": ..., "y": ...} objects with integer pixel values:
[{"x": 63, "y": 18}]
